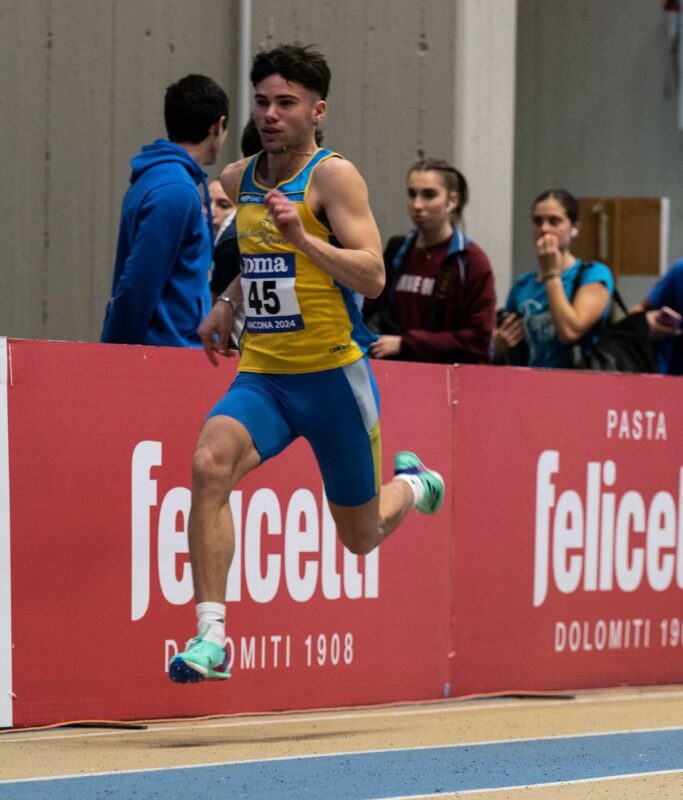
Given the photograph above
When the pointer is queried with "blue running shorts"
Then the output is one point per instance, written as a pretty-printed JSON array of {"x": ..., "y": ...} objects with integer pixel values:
[{"x": 336, "y": 410}]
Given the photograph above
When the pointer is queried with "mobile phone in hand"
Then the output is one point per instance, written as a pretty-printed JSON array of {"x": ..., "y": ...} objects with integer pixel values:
[{"x": 670, "y": 318}]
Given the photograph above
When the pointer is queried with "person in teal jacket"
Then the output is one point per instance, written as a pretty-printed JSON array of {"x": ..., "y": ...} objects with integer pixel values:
[
  {"x": 556, "y": 306},
  {"x": 160, "y": 290}
]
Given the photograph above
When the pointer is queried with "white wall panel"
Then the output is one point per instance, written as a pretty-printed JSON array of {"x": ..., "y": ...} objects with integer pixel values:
[{"x": 484, "y": 123}]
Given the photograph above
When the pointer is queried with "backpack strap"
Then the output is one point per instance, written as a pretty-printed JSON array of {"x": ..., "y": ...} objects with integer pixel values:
[
  {"x": 459, "y": 246},
  {"x": 620, "y": 302},
  {"x": 461, "y": 265},
  {"x": 399, "y": 256}
]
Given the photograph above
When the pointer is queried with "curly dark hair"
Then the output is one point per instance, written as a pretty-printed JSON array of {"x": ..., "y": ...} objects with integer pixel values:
[{"x": 295, "y": 62}]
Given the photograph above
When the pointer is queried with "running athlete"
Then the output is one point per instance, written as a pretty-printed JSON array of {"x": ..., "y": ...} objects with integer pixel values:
[{"x": 309, "y": 248}]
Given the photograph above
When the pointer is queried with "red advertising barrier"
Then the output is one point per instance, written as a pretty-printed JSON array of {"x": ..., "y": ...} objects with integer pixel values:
[
  {"x": 100, "y": 444},
  {"x": 555, "y": 563},
  {"x": 567, "y": 530}
]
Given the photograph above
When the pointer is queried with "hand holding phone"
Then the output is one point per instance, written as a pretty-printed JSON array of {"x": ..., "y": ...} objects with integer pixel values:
[{"x": 669, "y": 318}]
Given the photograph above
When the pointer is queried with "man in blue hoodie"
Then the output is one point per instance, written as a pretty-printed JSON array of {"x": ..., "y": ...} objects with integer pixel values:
[{"x": 160, "y": 291}]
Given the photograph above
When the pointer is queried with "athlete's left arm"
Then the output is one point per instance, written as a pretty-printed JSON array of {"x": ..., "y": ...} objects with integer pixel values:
[{"x": 339, "y": 191}]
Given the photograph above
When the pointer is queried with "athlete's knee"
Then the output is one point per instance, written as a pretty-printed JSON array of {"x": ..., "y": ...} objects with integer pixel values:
[
  {"x": 212, "y": 467},
  {"x": 359, "y": 542},
  {"x": 363, "y": 547},
  {"x": 358, "y": 527}
]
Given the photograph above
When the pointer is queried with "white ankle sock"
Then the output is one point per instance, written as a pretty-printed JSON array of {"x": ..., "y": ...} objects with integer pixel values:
[
  {"x": 211, "y": 622},
  {"x": 415, "y": 484}
]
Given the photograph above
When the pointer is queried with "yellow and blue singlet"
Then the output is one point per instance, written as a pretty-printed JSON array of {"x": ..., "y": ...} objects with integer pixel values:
[
  {"x": 303, "y": 370},
  {"x": 297, "y": 317}
]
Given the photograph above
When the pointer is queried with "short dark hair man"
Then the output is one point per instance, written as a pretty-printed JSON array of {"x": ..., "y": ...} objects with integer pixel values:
[
  {"x": 303, "y": 369},
  {"x": 160, "y": 290}
]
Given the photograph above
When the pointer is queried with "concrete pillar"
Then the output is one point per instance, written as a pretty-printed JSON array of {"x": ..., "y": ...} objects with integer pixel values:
[{"x": 485, "y": 61}]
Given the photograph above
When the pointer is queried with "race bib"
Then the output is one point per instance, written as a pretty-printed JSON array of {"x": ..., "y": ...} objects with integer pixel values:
[{"x": 270, "y": 302}]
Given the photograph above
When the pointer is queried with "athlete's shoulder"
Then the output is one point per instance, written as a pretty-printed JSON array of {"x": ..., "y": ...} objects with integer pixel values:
[
  {"x": 334, "y": 164},
  {"x": 232, "y": 175},
  {"x": 332, "y": 172}
]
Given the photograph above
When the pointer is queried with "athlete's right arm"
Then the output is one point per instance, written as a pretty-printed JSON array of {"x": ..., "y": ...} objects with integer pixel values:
[{"x": 217, "y": 326}]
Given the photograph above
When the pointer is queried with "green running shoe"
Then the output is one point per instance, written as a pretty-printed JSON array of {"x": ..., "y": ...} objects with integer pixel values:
[
  {"x": 200, "y": 661},
  {"x": 408, "y": 463}
]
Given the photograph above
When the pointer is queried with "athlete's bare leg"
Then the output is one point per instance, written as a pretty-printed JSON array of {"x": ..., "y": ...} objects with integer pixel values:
[
  {"x": 362, "y": 528},
  {"x": 223, "y": 455}
]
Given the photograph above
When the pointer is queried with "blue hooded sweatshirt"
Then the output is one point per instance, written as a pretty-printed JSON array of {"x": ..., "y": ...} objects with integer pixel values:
[{"x": 160, "y": 291}]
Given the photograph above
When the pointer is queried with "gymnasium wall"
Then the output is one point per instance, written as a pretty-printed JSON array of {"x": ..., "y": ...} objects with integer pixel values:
[
  {"x": 85, "y": 91},
  {"x": 591, "y": 111},
  {"x": 83, "y": 83},
  {"x": 82, "y": 89}
]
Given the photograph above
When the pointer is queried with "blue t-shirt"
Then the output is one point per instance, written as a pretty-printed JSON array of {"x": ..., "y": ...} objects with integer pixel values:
[
  {"x": 528, "y": 298},
  {"x": 668, "y": 291}
]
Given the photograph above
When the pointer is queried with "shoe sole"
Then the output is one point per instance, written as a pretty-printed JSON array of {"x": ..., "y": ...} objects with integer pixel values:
[{"x": 181, "y": 671}]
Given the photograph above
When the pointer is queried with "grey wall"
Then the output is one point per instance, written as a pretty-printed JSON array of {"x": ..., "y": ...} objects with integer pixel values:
[
  {"x": 82, "y": 82},
  {"x": 391, "y": 97},
  {"x": 413, "y": 78},
  {"x": 591, "y": 113},
  {"x": 81, "y": 89}
]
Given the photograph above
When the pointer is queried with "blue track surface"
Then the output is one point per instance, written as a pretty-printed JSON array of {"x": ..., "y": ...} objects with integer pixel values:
[{"x": 394, "y": 773}]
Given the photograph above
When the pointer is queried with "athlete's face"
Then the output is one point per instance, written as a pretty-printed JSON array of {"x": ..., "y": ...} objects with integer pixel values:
[
  {"x": 430, "y": 204},
  {"x": 286, "y": 114}
]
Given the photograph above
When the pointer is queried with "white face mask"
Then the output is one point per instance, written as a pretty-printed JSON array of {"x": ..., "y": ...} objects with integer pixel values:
[{"x": 228, "y": 219}]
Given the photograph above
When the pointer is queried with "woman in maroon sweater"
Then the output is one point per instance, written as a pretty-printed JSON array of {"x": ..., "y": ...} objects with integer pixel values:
[{"x": 439, "y": 301}]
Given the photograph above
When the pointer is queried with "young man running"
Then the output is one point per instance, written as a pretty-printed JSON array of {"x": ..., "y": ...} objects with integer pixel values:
[{"x": 309, "y": 248}]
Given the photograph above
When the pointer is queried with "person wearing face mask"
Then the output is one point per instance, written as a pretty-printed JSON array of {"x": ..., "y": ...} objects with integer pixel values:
[
  {"x": 439, "y": 301},
  {"x": 222, "y": 208},
  {"x": 557, "y": 305},
  {"x": 226, "y": 253}
]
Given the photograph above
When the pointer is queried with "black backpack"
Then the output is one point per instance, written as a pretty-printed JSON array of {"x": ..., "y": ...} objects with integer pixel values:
[{"x": 621, "y": 346}]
